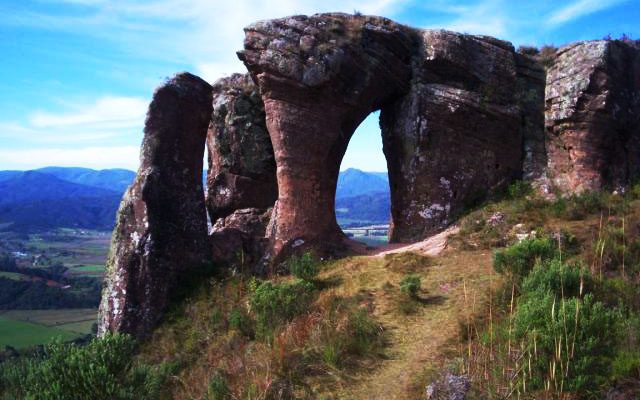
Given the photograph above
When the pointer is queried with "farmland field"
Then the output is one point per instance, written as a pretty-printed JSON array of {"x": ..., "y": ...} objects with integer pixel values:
[
  {"x": 21, "y": 334},
  {"x": 22, "y": 328}
]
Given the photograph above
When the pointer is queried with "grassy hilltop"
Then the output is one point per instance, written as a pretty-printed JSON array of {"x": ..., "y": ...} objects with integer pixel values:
[{"x": 531, "y": 299}]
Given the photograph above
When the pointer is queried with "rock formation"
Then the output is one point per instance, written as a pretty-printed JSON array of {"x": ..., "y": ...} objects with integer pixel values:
[
  {"x": 319, "y": 78},
  {"x": 455, "y": 136},
  {"x": 592, "y": 116},
  {"x": 242, "y": 169},
  {"x": 161, "y": 227},
  {"x": 462, "y": 116}
]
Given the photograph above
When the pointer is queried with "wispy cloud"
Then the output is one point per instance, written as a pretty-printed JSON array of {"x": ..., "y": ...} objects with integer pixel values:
[
  {"x": 579, "y": 9},
  {"x": 90, "y": 157},
  {"x": 108, "y": 118}
]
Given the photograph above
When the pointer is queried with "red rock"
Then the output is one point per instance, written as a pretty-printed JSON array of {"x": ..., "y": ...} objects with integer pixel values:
[
  {"x": 591, "y": 117},
  {"x": 161, "y": 229}
]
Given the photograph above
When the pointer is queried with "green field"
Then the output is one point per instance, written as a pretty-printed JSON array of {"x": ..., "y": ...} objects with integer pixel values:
[
  {"x": 373, "y": 241},
  {"x": 22, "y": 328},
  {"x": 88, "y": 270},
  {"x": 13, "y": 275},
  {"x": 21, "y": 334}
]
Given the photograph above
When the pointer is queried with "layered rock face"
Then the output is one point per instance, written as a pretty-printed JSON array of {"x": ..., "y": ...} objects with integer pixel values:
[
  {"x": 242, "y": 168},
  {"x": 455, "y": 136},
  {"x": 319, "y": 77},
  {"x": 592, "y": 116},
  {"x": 161, "y": 228}
]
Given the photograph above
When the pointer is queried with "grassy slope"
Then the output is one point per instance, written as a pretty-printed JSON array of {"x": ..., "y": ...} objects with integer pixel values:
[
  {"x": 457, "y": 292},
  {"x": 417, "y": 342}
]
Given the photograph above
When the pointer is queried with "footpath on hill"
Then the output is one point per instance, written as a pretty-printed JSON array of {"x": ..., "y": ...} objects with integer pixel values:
[{"x": 419, "y": 345}]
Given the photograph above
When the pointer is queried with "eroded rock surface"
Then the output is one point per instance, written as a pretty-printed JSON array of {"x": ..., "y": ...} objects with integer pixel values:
[
  {"x": 161, "y": 227},
  {"x": 592, "y": 116},
  {"x": 455, "y": 137},
  {"x": 462, "y": 116},
  {"x": 242, "y": 168},
  {"x": 319, "y": 77},
  {"x": 239, "y": 239}
]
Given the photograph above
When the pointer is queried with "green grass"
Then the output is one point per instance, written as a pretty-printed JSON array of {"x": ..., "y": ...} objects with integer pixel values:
[
  {"x": 21, "y": 334},
  {"x": 89, "y": 269},
  {"x": 75, "y": 321},
  {"x": 13, "y": 275}
]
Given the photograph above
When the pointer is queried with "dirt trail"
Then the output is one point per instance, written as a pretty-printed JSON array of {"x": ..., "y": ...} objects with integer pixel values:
[{"x": 420, "y": 342}]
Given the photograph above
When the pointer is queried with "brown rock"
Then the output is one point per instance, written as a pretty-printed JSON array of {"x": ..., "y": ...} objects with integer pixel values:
[
  {"x": 320, "y": 76},
  {"x": 455, "y": 137},
  {"x": 238, "y": 240},
  {"x": 242, "y": 169},
  {"x": 161, "y": 229},
  {"x": 592, "y": 106}
]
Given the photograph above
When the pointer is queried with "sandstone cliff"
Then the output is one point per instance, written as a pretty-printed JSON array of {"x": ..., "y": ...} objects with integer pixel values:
[{"x": 462, "y": 116}]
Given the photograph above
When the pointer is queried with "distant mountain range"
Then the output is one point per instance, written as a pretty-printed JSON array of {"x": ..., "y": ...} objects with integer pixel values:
[
  {"x": 61, "y": 197},
  {"x": 55, "y": 197}
]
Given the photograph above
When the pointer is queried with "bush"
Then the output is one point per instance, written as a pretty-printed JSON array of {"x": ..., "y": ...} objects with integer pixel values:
[
  {"x": 353, "y": 333},
  {"x": 103, "y": 369},
  {"x": 519, "y": 189},
  {"x": 557, "y": 278},
  {"x": 574, "y": 337},
  {"x": 218, "y": 388},
  {"x": 518, "y": 260},
  {"x": 410, "y": 285},
  {"x": 241, "y": 322},
  {"x": 274, "y": 304},
  {"x": 305, "y": 267}
]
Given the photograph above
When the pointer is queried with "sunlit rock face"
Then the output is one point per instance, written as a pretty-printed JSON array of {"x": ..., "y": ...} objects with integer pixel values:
[
  {"x": 592, "y": 116},
  {"x": 161, "y": 228}
]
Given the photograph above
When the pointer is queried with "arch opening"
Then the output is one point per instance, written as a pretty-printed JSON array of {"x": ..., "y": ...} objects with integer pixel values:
[{"x": 363, "y": 198}]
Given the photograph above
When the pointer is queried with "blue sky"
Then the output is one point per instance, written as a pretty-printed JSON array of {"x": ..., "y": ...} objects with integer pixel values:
[{"x": 77, "y": 75}]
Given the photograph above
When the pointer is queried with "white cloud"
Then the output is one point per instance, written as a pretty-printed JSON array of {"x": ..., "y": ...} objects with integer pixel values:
[
  {"x": 90, "y": 157},
  {"x": 108, "y": 118},
  {"x": 579, "y": 9},
  {"x": 106, "y": 111}
]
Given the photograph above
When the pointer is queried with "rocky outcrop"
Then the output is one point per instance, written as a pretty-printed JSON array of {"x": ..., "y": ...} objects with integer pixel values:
[
  {"x": 319, "y": 77},
  {"x": 462, "y": 116},
  {"x": 592, "y": 116},
  {"x": 238, "y": 240},
  {"x": 161, "y": 230},
  {"x": 454, "y": 138},
  {"x": 242, "y": 169}
]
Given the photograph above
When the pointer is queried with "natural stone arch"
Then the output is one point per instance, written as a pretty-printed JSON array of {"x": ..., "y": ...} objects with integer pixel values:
[
  {"x": 320, "y": 77},
  {"x": 441, "y": 94}
]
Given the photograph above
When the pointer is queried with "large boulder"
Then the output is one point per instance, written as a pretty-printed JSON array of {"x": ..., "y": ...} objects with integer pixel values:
[
  {"x": 242, "y": 168},
  {"x": 592, "y": 116},
  {"x": 161, "y": 228}
]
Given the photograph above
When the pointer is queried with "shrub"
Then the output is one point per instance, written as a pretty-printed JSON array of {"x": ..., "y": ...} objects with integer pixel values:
[
  {"x": 304, "y": 267},
  {"x": 571, "y": 340},
  {"x": 218, "y": 388},
  {"x": 274, "y": 304},
  {"x": 519, "y": 189},
  {"x": 103, "y": 369},
  {"x": 410, "y": 285},
  {"x": 516, "y": 261},
  {"x": 557, "y": 278},
  {"x": 240, "y": 321},
  {"x": 353, "y": 333}
]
